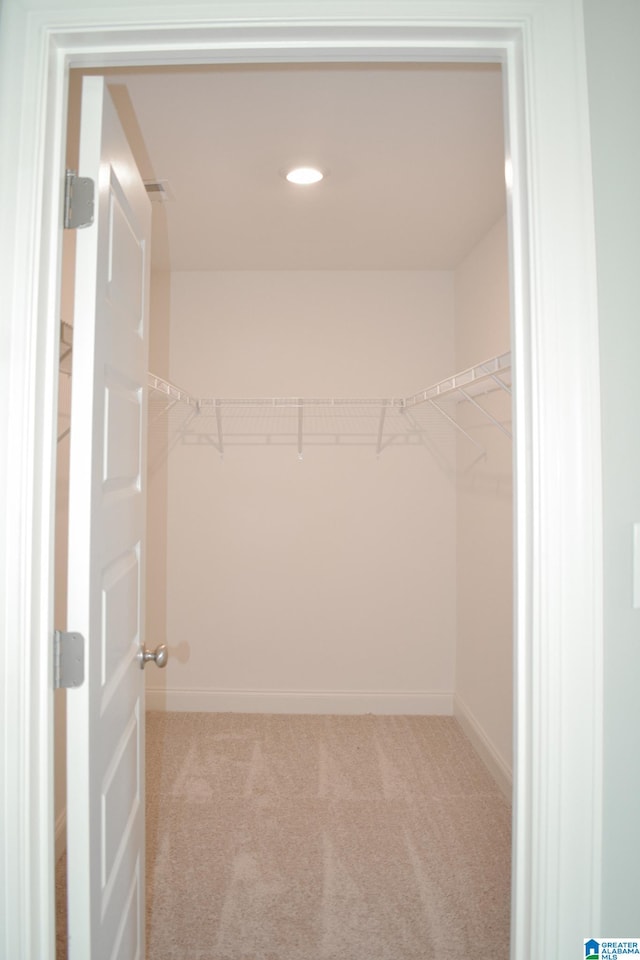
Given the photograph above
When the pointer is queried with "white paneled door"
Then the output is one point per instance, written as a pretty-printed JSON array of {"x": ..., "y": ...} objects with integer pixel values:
[{"x": 105, "y": 739}]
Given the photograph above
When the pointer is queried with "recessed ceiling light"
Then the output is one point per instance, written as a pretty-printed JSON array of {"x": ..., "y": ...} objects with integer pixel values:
[{"x": 304, "y": 175}]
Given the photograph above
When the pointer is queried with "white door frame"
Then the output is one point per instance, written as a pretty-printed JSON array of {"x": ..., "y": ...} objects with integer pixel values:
[{"x": 558, "y": 588}]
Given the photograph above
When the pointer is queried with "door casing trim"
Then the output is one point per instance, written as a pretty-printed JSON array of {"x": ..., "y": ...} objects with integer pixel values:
[{"x": 558, "y": 514}]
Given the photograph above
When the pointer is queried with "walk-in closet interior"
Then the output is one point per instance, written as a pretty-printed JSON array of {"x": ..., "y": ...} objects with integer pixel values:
[{"x": 329, "y": 521}]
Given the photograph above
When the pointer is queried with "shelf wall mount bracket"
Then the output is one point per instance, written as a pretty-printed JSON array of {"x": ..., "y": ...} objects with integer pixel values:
[
  {"x": 300, "y": 428},
  {"x": 485, "y": 413}
]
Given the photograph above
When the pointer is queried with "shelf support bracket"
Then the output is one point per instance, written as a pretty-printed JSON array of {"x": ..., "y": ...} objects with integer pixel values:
[
  {"x": 383, "y": 415},
  {"x": 485, "y": 413},
  {"x": 219, "y": 426},
  {"x": 503, "y": 386},
  {"x": 300, "y": 426},
  {"x": 163, "y": 412},
  {"x": 456, "y": 425}
]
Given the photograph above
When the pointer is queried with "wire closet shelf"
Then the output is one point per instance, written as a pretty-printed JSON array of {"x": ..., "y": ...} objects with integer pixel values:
[{"x": 331, "y": 419}]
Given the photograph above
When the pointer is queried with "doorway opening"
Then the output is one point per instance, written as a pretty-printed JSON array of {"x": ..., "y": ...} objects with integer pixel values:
[{"x": 476, "y": 484}]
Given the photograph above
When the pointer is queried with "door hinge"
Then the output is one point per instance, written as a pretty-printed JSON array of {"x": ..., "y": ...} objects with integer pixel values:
[
  {"x": 79, "y": 201},
  {"x": 68, "y": 659}
]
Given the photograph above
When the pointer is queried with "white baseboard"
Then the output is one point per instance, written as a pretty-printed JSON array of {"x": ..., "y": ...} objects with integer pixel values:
[
  {"x": 301, "y": 701},
  {"x": 61, "y": 834},
  {"x": 484, "y": 747}
]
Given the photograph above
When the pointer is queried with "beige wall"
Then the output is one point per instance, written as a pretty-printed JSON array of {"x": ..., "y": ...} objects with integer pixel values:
[
  {"x": 62, "y": 532},
  {"x": 324, "y": 584},
  {"x": 484, "y": 687}
]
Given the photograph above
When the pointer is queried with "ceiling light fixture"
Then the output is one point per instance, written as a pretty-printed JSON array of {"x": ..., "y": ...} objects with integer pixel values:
[{"x": 304, "y": 175}]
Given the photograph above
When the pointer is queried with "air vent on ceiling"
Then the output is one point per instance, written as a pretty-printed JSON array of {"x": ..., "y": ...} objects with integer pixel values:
[{"x": 159, "y": 191}]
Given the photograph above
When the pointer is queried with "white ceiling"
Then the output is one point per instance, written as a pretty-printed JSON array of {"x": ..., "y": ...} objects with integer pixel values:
[{"x": 413, "y": 154}]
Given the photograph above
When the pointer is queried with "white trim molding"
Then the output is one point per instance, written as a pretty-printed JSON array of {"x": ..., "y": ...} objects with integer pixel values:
[
  {"x": 484, "y": 747},
  {"x": 558, "y": 621},
  {"x": 340, "y": 702}
]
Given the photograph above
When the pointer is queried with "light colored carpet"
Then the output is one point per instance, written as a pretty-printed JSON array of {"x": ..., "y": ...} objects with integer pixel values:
[{"x": 277, "y": 837}]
